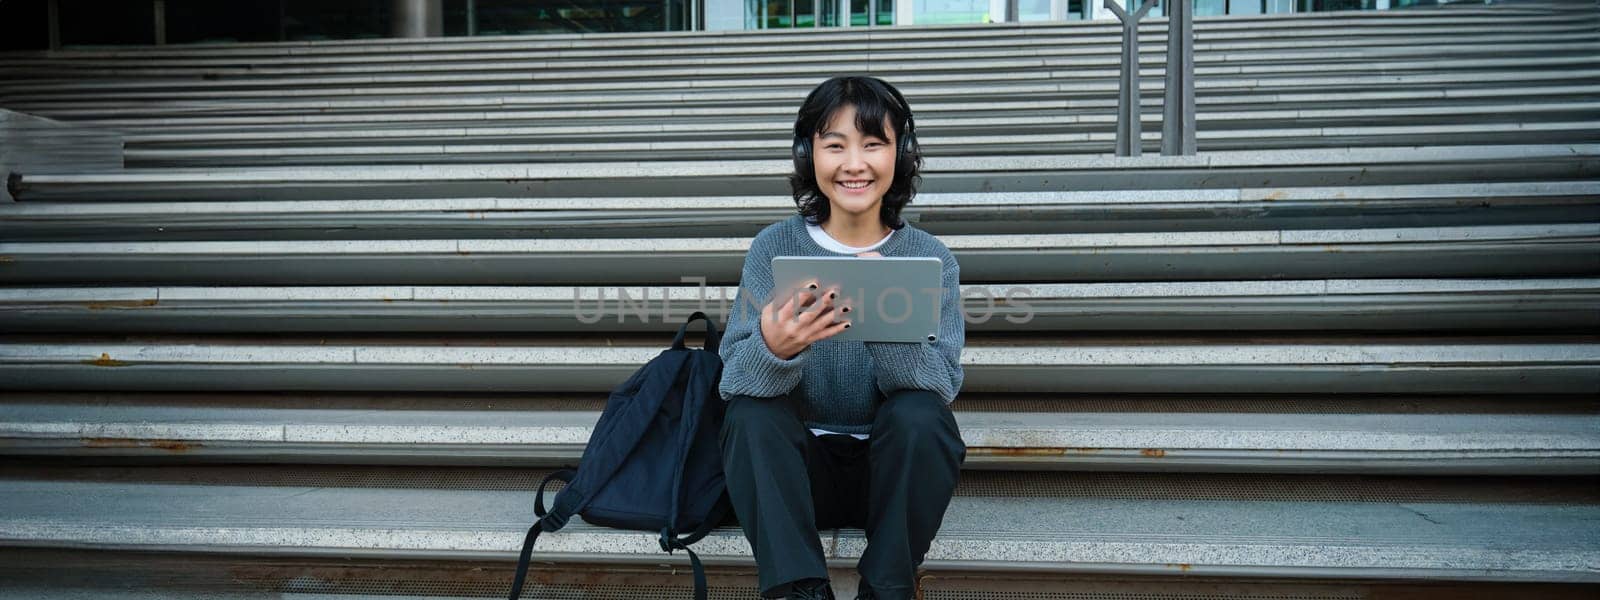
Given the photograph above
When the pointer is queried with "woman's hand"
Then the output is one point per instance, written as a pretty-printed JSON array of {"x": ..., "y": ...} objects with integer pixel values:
[{"x": 787, "y": 333}]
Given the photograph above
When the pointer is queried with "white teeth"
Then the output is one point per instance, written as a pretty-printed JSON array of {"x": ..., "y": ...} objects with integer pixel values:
[{"x": 855, "y": 186}]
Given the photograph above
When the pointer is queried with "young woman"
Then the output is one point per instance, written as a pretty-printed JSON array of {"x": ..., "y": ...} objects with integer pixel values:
[{"x": 823, "y": 433}]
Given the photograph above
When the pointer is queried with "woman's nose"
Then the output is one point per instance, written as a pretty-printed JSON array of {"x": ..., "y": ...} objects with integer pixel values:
[{"x": 855, "y": 160}]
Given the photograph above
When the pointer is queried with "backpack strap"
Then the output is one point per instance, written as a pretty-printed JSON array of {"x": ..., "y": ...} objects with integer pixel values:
[
  {"x": 694, "y": 562},
  {"x": 693, "y": 406},
  {"x": 686, "y": 430},
  {"x": 566, "y": 476},
  {"x": 719, "y": 511},
  {"x": 670, "y": 542},
  {"x": 619, "y": 439},
  {"x": 713, "y": 337},
  {"x": 538, "y": 526},
  {"x": 609, "y": 447}
]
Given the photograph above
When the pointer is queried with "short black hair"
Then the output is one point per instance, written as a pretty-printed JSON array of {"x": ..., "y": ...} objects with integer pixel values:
[{"x": 874, "y": 100}]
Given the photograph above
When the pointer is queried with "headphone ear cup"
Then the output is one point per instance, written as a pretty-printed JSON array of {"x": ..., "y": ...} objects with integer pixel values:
[
  {"x": 908, "y": 145},
  {"x": 906, "y": 154},
  {"x": 802, "y": 155}
]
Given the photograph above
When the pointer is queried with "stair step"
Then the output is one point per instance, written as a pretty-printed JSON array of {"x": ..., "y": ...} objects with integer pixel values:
[
  {"x": 1527, "y": 365},
  {"x": 1096, "y": 101},
  {"x": 1562, "y": 249},
  {"x": 1215, "y": 170},
  {"x": 1339, "y": 304},
  {"x": 943, "y": 214},
  {"x": 1067, "y": 78},
  {"x": 45, "y": 574},
  {"x": 1423, "y": 443},
  {"x": 1576, "y": 131},
  {"x": 525, "y": 69},
  {"x": 1280, "y": 534}
]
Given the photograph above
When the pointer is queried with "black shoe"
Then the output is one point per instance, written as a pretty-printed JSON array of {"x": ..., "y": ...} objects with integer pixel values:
[
  {"x": 864, "y": 592},
  {"x": 811, "y": 589}
]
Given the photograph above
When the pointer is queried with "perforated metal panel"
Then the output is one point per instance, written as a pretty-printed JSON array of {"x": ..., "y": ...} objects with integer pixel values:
[
  {"x": 994, "y": 586},
  {"x": 58, "y": 574},
  {"x": 455, "y": 589},
  {"x": 978, "y": 595},
  {"x": 1014, "y": 484},
  {"x": 968, "y": 402},
  {"x": 1263, "y": 487},
  {"x": 988, "y": 587},
  {"x": 69, "y": 574},
  {"x": 1270, "y": 404}
]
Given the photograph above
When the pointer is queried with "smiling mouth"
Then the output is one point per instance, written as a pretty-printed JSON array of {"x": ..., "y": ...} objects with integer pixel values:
[{"x": 856, "y": 184}]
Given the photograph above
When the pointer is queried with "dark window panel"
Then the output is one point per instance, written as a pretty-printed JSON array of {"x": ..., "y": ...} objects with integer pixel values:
[
  {"x": 24, "y": 25},
  {"x": 202, "y": 21},
  {"x": 336, "y": 19},
  {"x": 107, "y": 22}
]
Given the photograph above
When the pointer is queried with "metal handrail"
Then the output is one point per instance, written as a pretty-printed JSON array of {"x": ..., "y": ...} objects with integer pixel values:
[
  {"x": 1177, "y": 113},
  {"x": 1177, "y": 124},
  {"x": 1129, "y": 129}
]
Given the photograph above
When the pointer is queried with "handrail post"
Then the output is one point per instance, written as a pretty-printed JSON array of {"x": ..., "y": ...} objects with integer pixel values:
[
  {"x": 1128, "y": 127},
  {"x": 1177, "y": 110}
]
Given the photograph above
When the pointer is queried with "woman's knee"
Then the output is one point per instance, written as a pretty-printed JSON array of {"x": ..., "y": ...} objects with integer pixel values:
[
  {"x": 752, "y": 416},
  {"x": 914, "y": 410},
  {"x": 918, "y": 426}
]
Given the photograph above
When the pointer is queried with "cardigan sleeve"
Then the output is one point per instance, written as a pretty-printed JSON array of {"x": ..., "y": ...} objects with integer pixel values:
[
  {"x": 749, "y": 368},
  {"x": 935, "y": 366}
]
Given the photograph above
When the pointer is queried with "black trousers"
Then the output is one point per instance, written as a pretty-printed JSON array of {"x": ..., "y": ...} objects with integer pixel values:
[{"x": 786, "y": 484}]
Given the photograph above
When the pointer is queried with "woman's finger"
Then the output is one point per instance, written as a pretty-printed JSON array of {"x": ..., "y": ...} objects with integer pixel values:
[
  {"x": 832, "y": 329},
  {"x": 822, "y": 313},
  {"x": 783, "y": 312},
  {"x": 794, "y": 306},
  {"x": 808, "y": 293}
]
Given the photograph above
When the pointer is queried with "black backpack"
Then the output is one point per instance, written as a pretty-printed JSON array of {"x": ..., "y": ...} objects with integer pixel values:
[{"x": 654, "y": 461}]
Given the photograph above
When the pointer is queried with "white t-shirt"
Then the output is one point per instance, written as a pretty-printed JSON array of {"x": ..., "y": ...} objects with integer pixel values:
[{"x": 827, "y": 242}]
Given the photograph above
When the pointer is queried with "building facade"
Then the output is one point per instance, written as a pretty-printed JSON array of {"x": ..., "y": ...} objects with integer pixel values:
[{"x": 39, "y": 24}]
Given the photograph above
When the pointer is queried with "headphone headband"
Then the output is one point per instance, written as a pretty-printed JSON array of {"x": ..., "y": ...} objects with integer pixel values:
[{"x": 906, "y": 147}]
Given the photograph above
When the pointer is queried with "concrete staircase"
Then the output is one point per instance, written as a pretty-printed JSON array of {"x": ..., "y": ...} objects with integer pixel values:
[{"x": 328, "y": 329}]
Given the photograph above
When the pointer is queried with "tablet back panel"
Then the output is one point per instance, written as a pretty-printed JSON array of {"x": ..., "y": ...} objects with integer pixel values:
[{"x": 891, "y": 299}]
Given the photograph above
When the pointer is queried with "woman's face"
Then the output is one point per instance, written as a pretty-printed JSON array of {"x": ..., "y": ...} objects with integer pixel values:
[{"x": 853, "y": 169}]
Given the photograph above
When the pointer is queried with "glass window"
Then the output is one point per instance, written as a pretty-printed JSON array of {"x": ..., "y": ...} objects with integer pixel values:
[
  {"x": 1210, "y": 7},
  {"x": 335, "y": 19},
  {"x": 202, "y": 21},
  {"x": 24, "y": 25},
  {"x": 454, "y": 13},
  {"x": 782, "y": 14},
  {"x": 830, "y": 13},
  {"x": 1333, "y": 5},
  {"x": 805, "y": 13},
  {"x": 1033, "y": 10},
  {"x": 513, "y": 17},
  {"x": 1075, "y": 10},
  {"x": 1246, "y": 7},
  {"x": 107, "y": 22},
  {"x": 858, "y": 13},
  {"x": 938, "y": 12}
]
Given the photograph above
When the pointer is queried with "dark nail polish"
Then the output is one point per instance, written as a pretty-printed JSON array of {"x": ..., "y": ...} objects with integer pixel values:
[
  {"x": 831, "y": 295},
  {"x": 812, "y": 286},
  {"x": 846, "y": 325},
  {"x": 846, "y": 309}
]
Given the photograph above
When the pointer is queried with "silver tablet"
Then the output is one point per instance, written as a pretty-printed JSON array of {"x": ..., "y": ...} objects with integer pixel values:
[{"x": 891, "y": 299}]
